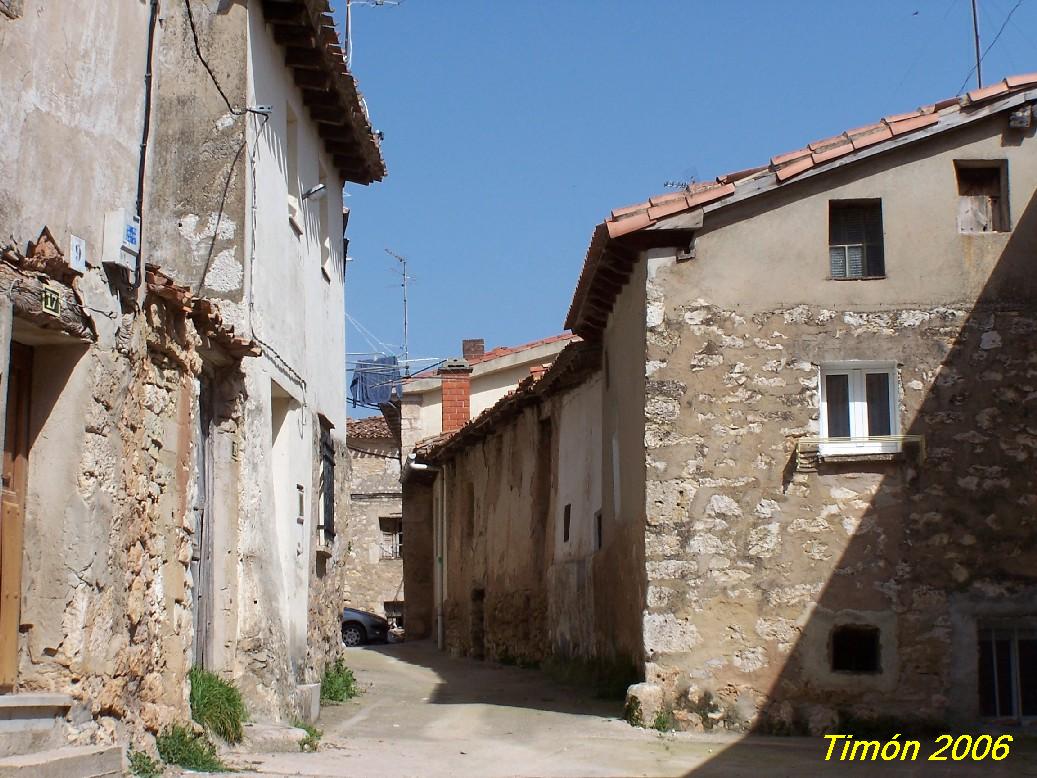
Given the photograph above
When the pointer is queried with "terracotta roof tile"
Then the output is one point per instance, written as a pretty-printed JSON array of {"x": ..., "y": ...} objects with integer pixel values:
[
  {"x": 786, "y": 172},
  {"x": 789, "y": 156},
  {"x": 673, "y": 206},
  {"x": 833, "y": 151},
  {"x": 1024, "y": 79},
  {"x": 629, "y": 224},
  {"x": 371, "y": 428},
  {"x": 665, "y": 199},
  {"x": 869, "y": 136},
  {"x": 987, "y": 92},
  {"x": 913, "y": 123}
]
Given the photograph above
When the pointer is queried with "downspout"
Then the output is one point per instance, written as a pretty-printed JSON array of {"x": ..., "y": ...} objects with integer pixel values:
[{"x": 152, "y": 23}]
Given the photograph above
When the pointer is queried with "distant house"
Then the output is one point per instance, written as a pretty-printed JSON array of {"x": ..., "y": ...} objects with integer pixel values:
[
  {"x": 374, "y": 558},
  {"x": 811, "y": 482}
]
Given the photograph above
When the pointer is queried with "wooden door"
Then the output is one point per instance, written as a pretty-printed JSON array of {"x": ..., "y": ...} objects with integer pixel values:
[
  {"x": 202, "y": 557},
  {"x": 12, "y": 518}
]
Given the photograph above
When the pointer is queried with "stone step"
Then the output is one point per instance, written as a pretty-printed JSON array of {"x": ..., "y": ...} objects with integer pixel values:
[
  {"x": 262, "y": 738},
  {"x": 31, "y": 722},
  {"x": 67, "y": 762}
]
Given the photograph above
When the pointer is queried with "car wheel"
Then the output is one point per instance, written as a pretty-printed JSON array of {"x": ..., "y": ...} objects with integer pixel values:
[{"x": 353, "y": 634}]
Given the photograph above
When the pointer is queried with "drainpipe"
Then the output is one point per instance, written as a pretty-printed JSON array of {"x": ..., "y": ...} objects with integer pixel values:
[{"x": 152, "y": 22}]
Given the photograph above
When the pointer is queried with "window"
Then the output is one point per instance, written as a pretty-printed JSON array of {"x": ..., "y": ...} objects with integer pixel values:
[
  {"x": 597, "y": 531},
  {"x": 982, "y": 195},
  {"x": 394, "y": 613},
  {"x": 858, "y": 402},
  {"x": 326, "y": 507},
  {"x": 392, "y": 537},
  {"x": 855, "y": 239},
  {"x": 1008, "y": 672},
  {"x": 855, "y": 649},
  {"x": 566, "y": 519}
]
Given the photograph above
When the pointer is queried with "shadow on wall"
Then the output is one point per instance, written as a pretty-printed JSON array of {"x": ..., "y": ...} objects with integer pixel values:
[{"x": 928, "y": 619}]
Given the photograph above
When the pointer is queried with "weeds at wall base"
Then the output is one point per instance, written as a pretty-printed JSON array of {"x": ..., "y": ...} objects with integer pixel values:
[
  {"x": 313, "y": 735},
  {"x": 338, "y": 683},
  {"x": 142, "y": 765},
  {"x": 216, "y": 704},
  {"x": 179, "y": 745}
]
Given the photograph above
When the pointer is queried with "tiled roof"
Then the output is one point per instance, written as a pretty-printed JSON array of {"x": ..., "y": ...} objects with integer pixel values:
[
  {"x": 204, "y": 312},
  {"x": 504, "y": 351},
  {"x": 587, "y": 317},
  {"x": 575, "y": 362},
  {"x": 372, "y": 428}
]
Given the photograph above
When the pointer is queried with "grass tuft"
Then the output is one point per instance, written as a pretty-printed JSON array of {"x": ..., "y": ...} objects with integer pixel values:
[
  {"x": 338, "y": 683},
  {"x": 142, "y": 765},
  {"x": 180, "y": 746},
  {"x": 313, "y": 735},
  {"x": 217, "y": 705},
  {"x": 664, "y": 721}
]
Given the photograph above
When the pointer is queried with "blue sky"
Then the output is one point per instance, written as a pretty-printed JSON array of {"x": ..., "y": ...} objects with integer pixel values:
[{"x": 512, "y": 128}]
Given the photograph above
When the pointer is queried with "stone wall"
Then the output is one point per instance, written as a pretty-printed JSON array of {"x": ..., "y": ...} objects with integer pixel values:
[
  {"x": 375, "y": 494},
  {"x": 108, "y": 617},
  {"x": 518, "y": 587},
  {"x": 756, "y": 553}
]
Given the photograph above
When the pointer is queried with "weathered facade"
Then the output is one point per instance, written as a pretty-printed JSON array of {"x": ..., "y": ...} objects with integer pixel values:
[
  {"x": 436, "y": 404},
  {"x": 819, "y": 485},
  {"x": 523, "y": 572},
  {"x": 835, "y": 462},
  {"x": 374, "y": 556},
  {"x": 175, "y": 456}
]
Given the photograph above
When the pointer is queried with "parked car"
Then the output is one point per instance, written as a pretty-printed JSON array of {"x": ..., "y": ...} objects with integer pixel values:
[{"x": 359, "y": 627}]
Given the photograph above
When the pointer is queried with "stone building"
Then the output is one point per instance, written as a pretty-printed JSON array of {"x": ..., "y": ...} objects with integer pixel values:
[
  {"x": 374, "y": 555},
  {"x": 823, "y": 483},
  {"x": 435, "y": 403},
  {"x": 174, "y": 442}
]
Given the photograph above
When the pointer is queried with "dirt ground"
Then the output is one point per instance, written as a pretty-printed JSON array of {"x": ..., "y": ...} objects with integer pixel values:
[{"x": 425, "y": 714}]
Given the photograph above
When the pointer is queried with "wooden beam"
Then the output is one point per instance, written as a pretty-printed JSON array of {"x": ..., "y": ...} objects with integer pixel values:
[
  {"x": 297, "y": 57},
  {"x": 295, "y": 36},
  {"x": 312, "y": 79},
  {"x": 284, "y": 12},
  {"x": 328, "y": 115}
]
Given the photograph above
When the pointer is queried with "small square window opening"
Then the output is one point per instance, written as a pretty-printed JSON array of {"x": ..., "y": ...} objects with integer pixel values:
[
  {"x": 855, "y": 248},
  {"x": 855, "y": 648},
  {"x": 982, "y": 195}
]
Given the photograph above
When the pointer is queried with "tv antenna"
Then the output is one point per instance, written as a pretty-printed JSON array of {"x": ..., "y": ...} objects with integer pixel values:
[
  {"x": 349, "y": 22},
  {"x": 975, "y": 36},
  {"x": 404, "y": 279}
]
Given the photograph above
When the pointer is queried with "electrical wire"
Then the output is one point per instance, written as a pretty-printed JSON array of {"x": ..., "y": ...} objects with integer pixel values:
[{"x": 990, "y": 46}]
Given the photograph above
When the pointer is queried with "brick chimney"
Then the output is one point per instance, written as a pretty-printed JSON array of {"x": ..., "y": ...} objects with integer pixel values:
[
  {"x": 473, "y": 348},
  {"x": 456, "y": 376}
]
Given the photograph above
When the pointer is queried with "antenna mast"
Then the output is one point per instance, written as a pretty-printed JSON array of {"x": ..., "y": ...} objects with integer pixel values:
[
  {"x": 403, "y": 262},
  {"x": 975, "y": 35}
]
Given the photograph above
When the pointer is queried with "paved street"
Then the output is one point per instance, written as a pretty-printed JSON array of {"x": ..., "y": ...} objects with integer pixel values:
[{"x": 425, "y": 714}]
